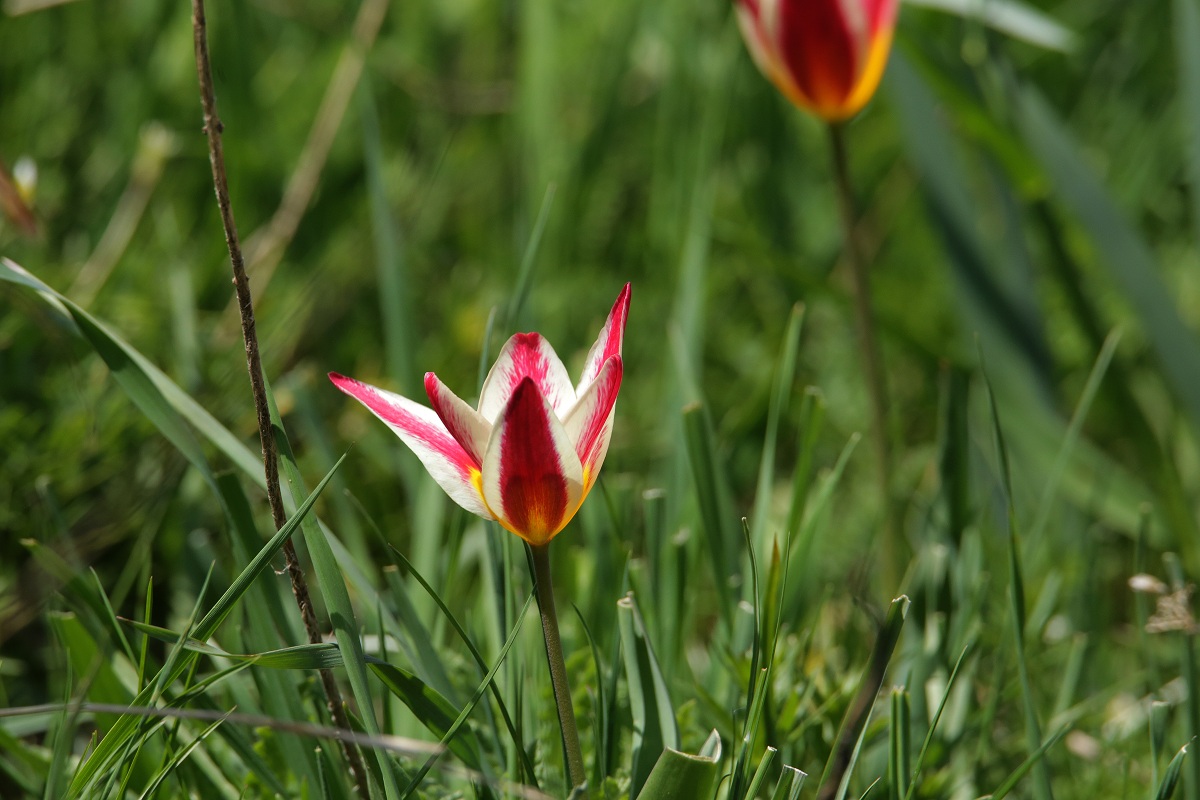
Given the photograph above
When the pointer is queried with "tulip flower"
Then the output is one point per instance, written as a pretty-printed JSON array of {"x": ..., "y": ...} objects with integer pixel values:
[
  {"x": 826, "y": 56},
  {"x": 530, "y": 453}
]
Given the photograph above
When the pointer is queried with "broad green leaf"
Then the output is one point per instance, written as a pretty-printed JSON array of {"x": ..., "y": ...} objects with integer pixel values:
[
  {"x": 1121, "y": 249},
  {"x": 163, "y": 402},
  {"x": 1012, "y": 17},
  {"x": 1185, "y": 21}
]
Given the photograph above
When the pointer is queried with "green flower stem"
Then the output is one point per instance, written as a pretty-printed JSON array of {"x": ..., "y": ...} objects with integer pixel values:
[
  {"x": 868, "y": 340},
  {"x": 558, "y": 667}
]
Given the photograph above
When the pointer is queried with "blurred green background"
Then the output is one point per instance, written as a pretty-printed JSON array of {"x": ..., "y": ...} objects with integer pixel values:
[{"x": 403, "y": 173}]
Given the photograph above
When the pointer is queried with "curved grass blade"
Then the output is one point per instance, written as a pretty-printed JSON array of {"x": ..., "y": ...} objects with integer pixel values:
[
  {"x": 522, "y": 753},
  {"x": 303, "y": 656},
  {"x": 470, "y": 706},
  {"x": 177, "y": 759}
]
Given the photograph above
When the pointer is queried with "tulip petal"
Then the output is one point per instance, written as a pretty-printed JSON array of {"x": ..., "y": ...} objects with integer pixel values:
[
  {"x": 751, "y": 17},
  {"x": 824, "y": 47},
  {"x": 882, "y": 17},
  {"x": 608, "y": 343},
  {"x": 525, "y": 355},
  {"x": 465, "y": 424},
  {"x": 532, "y": 478},
  {"x": 589, "y": 422},
  {"x": 420, "y": 428}
]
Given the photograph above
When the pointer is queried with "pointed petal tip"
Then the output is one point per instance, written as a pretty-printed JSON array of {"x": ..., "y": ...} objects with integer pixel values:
[{"x": 341, "y": 381}]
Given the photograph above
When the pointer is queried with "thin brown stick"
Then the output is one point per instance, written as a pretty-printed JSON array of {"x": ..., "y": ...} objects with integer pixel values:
[{"x": 213, "y": 129}]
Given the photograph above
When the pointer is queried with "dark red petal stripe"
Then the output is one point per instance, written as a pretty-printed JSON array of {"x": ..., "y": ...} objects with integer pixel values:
[
  {"x": 616, "y": 325},
  {"x": 606, "y": 397},
  {"x": 532, "y": 485},
  {"x": 819, "y": 49}
]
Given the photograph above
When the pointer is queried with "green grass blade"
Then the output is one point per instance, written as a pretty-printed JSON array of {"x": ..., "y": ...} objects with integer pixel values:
[
  {"x": 452, "y": 731},
  {"x": 1034, "y": 758},
  {"x": 933, "y": 723},
  {"x": 395, "y": 307},
  {"x": 654, "y": 725},
  {"x": 178, "y": 758},
  {"x": 433, "y": 710},
  {"x": 516, "y": 303},
  {"x": 781, "y": 392},
  {"x": 854, "y": 724},
  {"x": 337, "y": 600},
  {"x": 899, "y": 752},
  {"x": 301, "y": 656},
  {"x": 713, "y": 497},
  {"x": 220, "y": 610},
  {"x": 1042, "y": 784},
  {"x": 1170, "y": 779},
  {"x": 1012, "y": 17},
  {"x": 812, "y": 418},
  {"x": 760, "y": 774},
  {"x": 522, "y": 753},
  {"x": 1074, "y": 431},
  {"x": 789, "y": 785}
]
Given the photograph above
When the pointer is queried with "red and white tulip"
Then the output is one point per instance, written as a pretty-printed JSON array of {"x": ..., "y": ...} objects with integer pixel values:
[
  {"x": 826, "y": 56},
  {"x": 530, "y": 453}
]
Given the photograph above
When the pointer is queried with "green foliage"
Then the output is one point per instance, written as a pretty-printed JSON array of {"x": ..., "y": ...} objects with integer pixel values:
[{"x": 1029, "y": 181}]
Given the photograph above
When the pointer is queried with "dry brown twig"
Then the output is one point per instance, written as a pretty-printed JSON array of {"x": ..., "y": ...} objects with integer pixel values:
[{"x": 213, "y": 130}]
